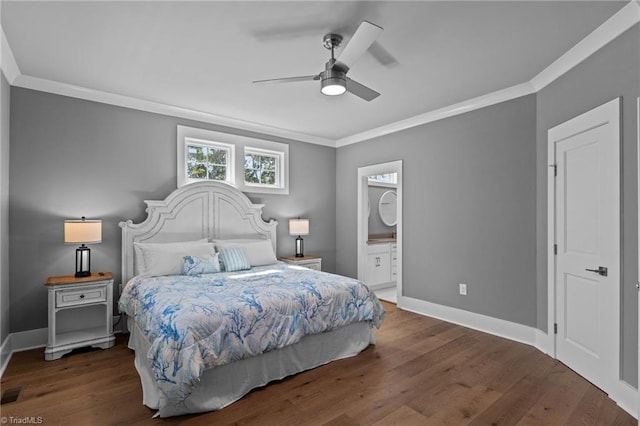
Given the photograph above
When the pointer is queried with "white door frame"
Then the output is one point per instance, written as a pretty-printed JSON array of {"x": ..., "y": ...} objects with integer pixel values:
[
  {"x": 638, "y": 241},
  {"x": 612, "y": 377},
  {"x": 363, "y": 224}
]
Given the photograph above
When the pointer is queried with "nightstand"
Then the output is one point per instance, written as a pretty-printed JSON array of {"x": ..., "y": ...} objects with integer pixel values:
[
  {"x": 80, "y": 313},
  {"x": 311, "y": 262}
]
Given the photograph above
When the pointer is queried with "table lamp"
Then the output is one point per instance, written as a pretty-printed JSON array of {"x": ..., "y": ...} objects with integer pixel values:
[
  {"x": 83, "y": 231},
  {"x": 299, "y": 227}
]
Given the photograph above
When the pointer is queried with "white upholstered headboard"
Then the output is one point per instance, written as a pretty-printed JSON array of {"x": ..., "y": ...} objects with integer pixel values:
[{"x": 210, "y": 210}]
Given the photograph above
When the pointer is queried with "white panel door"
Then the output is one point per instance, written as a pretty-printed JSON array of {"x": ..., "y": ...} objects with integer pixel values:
[{"x": 588, "y": 244}]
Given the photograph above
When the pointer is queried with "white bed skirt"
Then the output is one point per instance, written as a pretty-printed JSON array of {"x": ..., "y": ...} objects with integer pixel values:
[{"x": 226, "y": 384}]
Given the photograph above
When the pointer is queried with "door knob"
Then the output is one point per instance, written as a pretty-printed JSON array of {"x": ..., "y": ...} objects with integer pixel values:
[{"x": 601, "y": 270}]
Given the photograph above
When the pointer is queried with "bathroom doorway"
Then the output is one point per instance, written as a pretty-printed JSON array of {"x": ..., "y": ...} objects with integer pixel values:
[{"x": 380, "y": 229}]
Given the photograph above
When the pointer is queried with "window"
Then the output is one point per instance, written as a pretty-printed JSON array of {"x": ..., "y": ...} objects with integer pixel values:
[
  {"x": 262, "y": 167},
  {"x": 384, "y": 179},
  {"x": 208, "y": 161}
]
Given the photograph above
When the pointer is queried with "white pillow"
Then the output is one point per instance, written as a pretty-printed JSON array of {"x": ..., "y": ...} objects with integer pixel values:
[
  {"x": 141, "y": 265},
  {"x": 260, "y": 252}
]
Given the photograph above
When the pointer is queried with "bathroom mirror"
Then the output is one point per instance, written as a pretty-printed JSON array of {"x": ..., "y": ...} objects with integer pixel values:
[{"x": 387, "y": 208}]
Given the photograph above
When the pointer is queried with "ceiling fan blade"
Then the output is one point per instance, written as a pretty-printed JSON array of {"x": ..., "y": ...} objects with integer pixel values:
[
  {"x": 361, "y": 91},
  {"x": 362, "y": 39},
  {"x": 289, "y": 79},
  {"x": 382, "y": 55}
]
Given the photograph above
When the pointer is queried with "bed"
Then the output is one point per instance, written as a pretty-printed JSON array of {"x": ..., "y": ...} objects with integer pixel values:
[{"x": 211, "y": 312}]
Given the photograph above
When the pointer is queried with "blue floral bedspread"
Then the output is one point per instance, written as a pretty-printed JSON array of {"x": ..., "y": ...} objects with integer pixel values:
[{"x": 197, "y": 322}]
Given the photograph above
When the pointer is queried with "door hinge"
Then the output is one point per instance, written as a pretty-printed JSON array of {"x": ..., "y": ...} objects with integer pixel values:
[
  {"x": 555, "y": 249},
  {"x": 555, "y": 169},
  {"x": 555, "y": 328}
]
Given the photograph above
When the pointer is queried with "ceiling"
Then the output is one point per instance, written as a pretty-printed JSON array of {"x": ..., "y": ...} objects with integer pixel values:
[{"x": 203, "y": 56}]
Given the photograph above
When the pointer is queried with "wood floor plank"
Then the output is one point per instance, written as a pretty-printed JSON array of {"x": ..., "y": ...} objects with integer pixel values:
[
  {"x": 566, "y": 390},
  {"x": 514, "y": 403},
  {"x": 596, "y": 409},
  {"x": 466, "y": 404},
  {"x": 421, "y": 371},
  {"x": 403, "y": 416}
]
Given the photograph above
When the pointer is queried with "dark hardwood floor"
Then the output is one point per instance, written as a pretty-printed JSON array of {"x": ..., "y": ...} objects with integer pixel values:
[{"x": 422, "y": 371}]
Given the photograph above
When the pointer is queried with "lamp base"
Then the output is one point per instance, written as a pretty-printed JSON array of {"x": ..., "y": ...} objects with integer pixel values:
[
  {"x": 83, "y": 261},
  {"x": 299, "y": 247}
]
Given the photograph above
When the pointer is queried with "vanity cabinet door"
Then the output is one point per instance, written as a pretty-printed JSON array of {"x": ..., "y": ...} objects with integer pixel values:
[{"x": 378, "y": 264}]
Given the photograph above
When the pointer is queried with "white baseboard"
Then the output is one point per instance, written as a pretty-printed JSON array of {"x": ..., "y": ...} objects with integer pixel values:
[
  {"x": 21, "y": 341},
  {"x": 31, "y": 339},
  {"x": 625, "y": 395},
  {"x": 507, "y": 329},
  {"x": 544, "y": 343}
]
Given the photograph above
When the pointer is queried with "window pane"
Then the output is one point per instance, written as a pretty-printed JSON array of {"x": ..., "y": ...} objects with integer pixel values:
[
  {"x": 196, "y": 170},
  {"x": 207, "y": 162},
  {"x": 218, "y": 172},
  {"x": 195, "y": 153},
  {"x": 251, "y": 176},
  {"x": 217, "y": 156},
  {"x": 260, "y": 169},
  {"x": 269, "y": 177}
]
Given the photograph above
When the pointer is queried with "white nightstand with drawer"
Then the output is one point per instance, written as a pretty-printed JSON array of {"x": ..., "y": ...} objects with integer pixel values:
[
  {"x": 80, "y": 313},
  {"x": 311, "y": 262}
]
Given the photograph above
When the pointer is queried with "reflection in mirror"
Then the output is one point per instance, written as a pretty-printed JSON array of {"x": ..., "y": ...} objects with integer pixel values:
[{"x": 387, "y": 208}]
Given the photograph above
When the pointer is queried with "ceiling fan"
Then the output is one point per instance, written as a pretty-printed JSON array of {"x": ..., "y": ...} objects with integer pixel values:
[{"x": 334, "y": 80}]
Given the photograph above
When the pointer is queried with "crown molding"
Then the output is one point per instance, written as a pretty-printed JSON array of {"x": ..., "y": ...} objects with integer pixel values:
[
  {"x": 617, "y": 24},
  {"x": 80, "y": 92},
  {"x": 439, "y": 114},
  {"x": 7, "y": 60},
  {"x": 613, "y": 27}
]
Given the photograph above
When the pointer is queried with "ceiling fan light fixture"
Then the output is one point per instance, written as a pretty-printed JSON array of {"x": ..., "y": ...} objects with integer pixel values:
[
  {"x": 334, "y": 82},
  {"x": 333, "y": 86}
]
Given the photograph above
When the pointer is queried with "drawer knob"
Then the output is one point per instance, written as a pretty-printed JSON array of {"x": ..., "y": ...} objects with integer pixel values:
[{"x": 82, "y": 296}]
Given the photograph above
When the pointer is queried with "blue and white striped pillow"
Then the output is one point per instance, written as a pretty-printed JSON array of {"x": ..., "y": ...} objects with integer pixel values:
[
  {"x": 234, "y": 259},
  {"x": 196, "y": 265}
]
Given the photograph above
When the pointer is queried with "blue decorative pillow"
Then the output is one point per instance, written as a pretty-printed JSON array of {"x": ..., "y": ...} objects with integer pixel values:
[
  {"x": 234, "y": 259},
  {"x": 197, "y": 265}
]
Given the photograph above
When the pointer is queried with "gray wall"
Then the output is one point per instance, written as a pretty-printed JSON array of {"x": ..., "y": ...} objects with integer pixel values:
[
  {"x": 469, "y": 208},
  {"x": 5, "y": 99},
  {"x": 71, "y": 158},
  {"x": 613, "y": 71},
  {"x": 376, "y": 226}
]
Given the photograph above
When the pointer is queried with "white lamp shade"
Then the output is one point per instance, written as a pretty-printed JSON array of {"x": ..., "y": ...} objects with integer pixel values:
[
  {"x": 298, "y": 226},
  {"x": 83, "y": 231}
]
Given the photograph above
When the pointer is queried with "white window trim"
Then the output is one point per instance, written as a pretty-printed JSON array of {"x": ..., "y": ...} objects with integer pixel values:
[{"x": 238, "y": 144}]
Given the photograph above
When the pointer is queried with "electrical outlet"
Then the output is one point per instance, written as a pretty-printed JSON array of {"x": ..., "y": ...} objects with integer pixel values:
[{"x": 463, "y": 289}]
